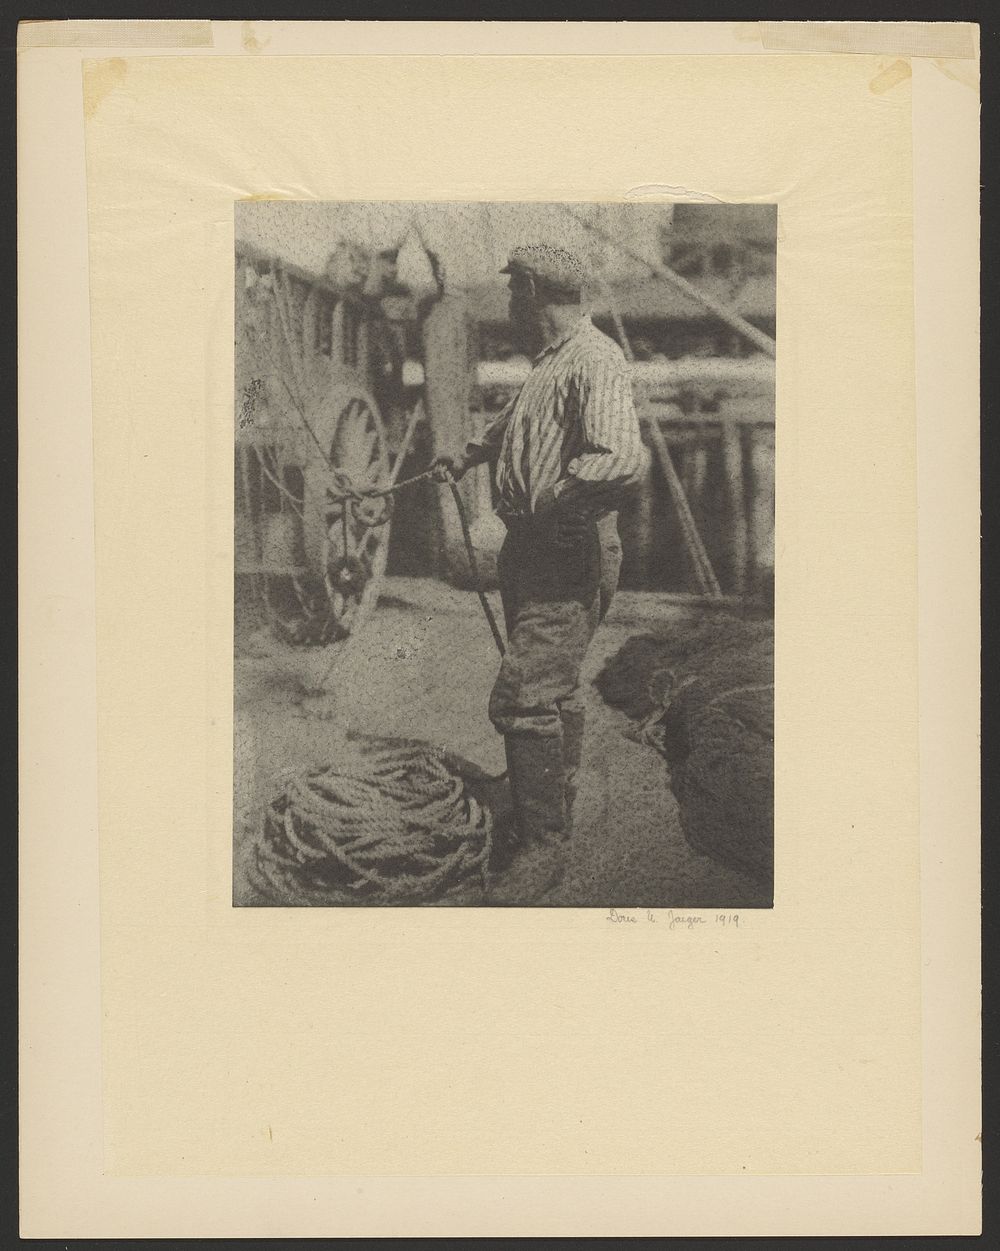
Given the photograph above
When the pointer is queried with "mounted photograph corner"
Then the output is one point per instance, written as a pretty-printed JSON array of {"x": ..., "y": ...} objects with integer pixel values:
[{"x": 504, "y": 554}]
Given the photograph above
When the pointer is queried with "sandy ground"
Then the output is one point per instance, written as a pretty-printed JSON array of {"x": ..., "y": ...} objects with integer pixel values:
[{"x": 422, "y": 668}]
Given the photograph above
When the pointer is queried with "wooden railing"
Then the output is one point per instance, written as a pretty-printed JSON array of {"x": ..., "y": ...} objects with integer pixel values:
[{"x": 714, "y": 417}]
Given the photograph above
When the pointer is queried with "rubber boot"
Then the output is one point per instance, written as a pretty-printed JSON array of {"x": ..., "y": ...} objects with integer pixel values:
[
  {"x": 572, "y": 728},
  {"x": 535, "y": 864},
  {"x": 535, "y": 771}
]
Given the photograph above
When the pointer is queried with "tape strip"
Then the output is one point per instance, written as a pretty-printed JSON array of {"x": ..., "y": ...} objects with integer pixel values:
[
  {"x": 111, "y": 33},
  {"x": 941, "y": 40},
  {"x": 934, "y": 39}
]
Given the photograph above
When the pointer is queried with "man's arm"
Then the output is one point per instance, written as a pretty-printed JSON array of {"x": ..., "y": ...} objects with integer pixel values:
[
  {"x": 613, "y": 455},
  {"x": 487, "y": 446},
  {"x": 479, "y": 451}
]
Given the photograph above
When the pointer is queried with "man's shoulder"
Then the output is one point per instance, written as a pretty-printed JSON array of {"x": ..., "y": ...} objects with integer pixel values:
[{"x": 598, "y": 349}]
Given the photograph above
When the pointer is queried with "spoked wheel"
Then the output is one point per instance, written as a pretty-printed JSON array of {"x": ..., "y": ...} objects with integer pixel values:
[
  {"x": 322, "y": 550},
  {"x": 348, "y": 540}
]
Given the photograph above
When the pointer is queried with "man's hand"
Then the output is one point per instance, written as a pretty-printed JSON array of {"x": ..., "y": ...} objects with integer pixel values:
[{"x": 454, "y": 463}]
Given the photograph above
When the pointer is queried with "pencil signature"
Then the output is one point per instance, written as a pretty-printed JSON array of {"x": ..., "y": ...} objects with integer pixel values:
[{"x": 670, "y": 919}]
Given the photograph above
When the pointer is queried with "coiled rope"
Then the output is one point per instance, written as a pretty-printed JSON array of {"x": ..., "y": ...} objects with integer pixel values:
[
  {"x": 386, "y": 824},
  {"x": 704, "y": 698}
]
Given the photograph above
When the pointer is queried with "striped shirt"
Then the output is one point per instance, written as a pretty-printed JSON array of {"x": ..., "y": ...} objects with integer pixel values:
[{"x": 573, "y": 423}]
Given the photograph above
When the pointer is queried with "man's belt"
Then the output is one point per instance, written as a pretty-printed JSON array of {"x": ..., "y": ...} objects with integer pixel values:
[{"x": 526, "y": 522}]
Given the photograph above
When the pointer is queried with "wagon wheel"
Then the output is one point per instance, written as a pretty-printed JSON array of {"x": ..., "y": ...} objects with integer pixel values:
[
  {"x": 320, "y": 550},
  {"x": 344, "y": 548}
]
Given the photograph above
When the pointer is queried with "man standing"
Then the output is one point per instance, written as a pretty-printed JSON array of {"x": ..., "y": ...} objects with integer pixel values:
[{"x": 563, "y": 451}]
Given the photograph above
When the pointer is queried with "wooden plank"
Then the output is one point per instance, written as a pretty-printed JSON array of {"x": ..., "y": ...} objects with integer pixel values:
[
  {"x": 447, "y": 353},
  {"x": 258, "y": 257},
  {"x": 745, "y": 374},
  {"x": 738, "y": 409},
  {"x": 703, "y": 438}
]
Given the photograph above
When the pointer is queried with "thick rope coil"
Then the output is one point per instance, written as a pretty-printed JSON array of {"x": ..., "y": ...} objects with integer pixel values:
[{"x": 384, "y": 825}]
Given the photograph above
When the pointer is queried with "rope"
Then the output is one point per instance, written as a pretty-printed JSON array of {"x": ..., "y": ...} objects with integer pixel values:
[
  {"x": 473, "y": 563},
  {"x": 388, "y": 492},
  {"x": 381, "y": 492},
  {"x": 388, "y": 824}
]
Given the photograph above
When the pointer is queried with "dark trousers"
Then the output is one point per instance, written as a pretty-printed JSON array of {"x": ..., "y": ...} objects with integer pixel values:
[{"x": 555, "y": 593}]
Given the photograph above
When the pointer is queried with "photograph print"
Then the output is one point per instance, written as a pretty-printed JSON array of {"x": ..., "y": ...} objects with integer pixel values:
[{"x": 504, "y": 555}]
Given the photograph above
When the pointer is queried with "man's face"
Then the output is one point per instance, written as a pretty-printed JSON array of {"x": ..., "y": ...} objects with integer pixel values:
[{"x": 523, "y": 310}]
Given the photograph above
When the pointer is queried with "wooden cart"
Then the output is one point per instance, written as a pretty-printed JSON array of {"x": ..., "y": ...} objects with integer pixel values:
[{"x": 309, "y": 439}]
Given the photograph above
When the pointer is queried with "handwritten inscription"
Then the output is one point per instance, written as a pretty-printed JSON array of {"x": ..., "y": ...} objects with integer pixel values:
[{"x": 672, "y": 920}]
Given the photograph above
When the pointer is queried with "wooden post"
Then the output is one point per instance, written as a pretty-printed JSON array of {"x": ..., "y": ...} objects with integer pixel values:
[
  {"x": 447, "y": 385},
  {"x": 704, "y": 572},
  {"x": 337, "y": 354},
  {"x": 642, "y": 543},
  {"x": 762, "y": 503},
  {"x": 700, "y": 562},
  {"x": 739, "y": 535}
]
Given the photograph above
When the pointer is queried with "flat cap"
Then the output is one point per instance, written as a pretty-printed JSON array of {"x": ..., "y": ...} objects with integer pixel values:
[{"x": 552, "y": 266}]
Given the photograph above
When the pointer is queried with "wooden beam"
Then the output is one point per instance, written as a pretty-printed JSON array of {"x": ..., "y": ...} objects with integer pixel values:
[
  {"x": 740, "y": 324},
  {"x": 744, "y": 373},
  {"x": 762, "y": 502}
]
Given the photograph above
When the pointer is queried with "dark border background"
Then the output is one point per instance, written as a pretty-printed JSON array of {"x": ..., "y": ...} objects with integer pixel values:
[{"x": 988, "y": 17}]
